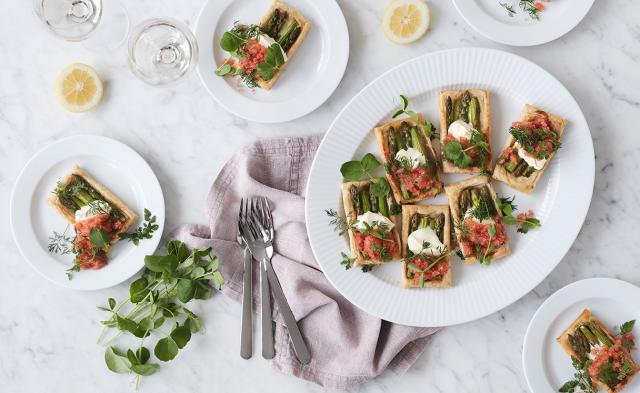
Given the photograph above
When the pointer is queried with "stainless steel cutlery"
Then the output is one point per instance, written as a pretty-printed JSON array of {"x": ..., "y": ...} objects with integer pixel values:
[{"x": 256, "y": 233}]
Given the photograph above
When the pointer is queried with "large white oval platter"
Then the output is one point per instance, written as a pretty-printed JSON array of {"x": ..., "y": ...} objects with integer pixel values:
[{"x": 561, "y": 199}]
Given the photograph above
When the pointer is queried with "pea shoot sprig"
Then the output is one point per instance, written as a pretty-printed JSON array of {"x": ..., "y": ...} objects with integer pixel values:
[
  {"x": 428, "y": 128},
  {"x": 156, "y": 307}
]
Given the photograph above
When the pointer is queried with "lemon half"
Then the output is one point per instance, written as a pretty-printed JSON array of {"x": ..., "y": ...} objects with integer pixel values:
[
  {"x": 405, "y": 21},
  {"x": 79, "y": 88}
]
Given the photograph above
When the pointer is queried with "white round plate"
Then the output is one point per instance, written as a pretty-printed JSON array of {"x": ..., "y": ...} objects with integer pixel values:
[
  {"x": 561, "y": 199},
  {"x": 33, "y": 220},
  {"x": 546, "y": 365},
  {"x": 491, "y": 20},
  {"x": 311, "y": 77}
]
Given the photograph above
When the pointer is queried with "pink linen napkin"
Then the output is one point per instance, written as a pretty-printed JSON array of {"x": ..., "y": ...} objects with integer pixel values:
[{"x": 348, "y": 346}]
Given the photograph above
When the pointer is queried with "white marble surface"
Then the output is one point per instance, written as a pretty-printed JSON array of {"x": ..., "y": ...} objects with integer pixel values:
[{"x": 47, "y": 334}]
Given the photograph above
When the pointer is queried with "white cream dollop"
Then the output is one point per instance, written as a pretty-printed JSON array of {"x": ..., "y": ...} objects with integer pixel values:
[
  {"x": 267, "y": 41},
  {"x": 460, "y": 129},
  {"x": 418, "y": 239},
  {"x": 529, "y": 159},
  {"x": 486, "y": 221},
  {"x": 93, "y": 208},
  {"x": 412, "y": 155},
  {"x": 372, "y": 219}
]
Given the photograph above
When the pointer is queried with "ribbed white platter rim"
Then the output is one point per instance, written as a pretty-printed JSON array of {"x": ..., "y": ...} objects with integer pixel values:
[
  {"x": 488, "y": 18},
  {"x": 546, "y": 366},
  {"x": 561, "y": 201}
]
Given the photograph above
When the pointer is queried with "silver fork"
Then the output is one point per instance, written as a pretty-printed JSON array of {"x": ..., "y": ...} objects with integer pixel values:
[
  {"x": 246, "y": 334},
  {"x": 268, "y": 350},
  {"x": 260, "y": 241}
]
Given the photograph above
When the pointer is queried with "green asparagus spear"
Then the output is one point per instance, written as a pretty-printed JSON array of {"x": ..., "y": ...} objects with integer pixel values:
[
  {"x": 293, "y": 37},
  {"x": 474, "y": 113},
  {"x": 415, "y": 140},
  {"x": 404, "y": 192},
  {"x": 449, "y": 109},
  {"x": 529, "y": 171},
  {"x": 424, "y": 222},
  {"x": 285, "y": 36},
  {"x": 353, "y": 192},
  {"x": 510, "y": 166},
  {"x": 465, "y": 101},
  {"x": 520, "y": 168},
  {"x": 391, "y": 142},
  {"x": 590, "y": 336},
  {"x": 456, "y": 109},
  {"x": 383, "y": 206},
  {"x": 600, "y": 334},
  {"x": 413, "y": 222},
  {"x": 475, "y": 197},
  {"x": 401, "y": 144},
  {"x": 373, "y": 202},
  {"x": 364, "y": 200},
  {"x": 464, "y": 200},
  {"x": 440, "y": 226}
]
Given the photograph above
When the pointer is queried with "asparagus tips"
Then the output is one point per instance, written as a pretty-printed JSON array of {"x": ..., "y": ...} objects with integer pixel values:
[
  {"x": 400, "y": 142},
  {"x": 440, "y": 226},
  {"x": 284, "y": 38},
  {"x": 364, "y": 200},
  {"x": 373, "y": 202},
  {"x": 275, "y": 23},
  {"x": 590, "y": 336},
  {"x": 600, "y": 334},
  {"x": 529, "y": 171},
  {"x": 510, "y": 166},
  {"x": 464, "y": 202},
  {"x": 391, "y": 142},
  {"x": 292, "y": 39},
  {"x": 383, "y": 206},
  {"x": 415, "y": 140},
  {"x": 456, "y": 110},
  {"x": 474, "y": 113},
  {"x": 449, "y": 109},
  {"x": 424, "y": 222},
  {"x": 413, "y": 223},
  {"x": 465, "y": 101},
  {"x": 353, "y": 193},
  {"x": 520, "y": 168}
]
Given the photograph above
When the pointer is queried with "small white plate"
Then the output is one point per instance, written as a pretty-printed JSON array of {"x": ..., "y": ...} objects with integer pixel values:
[
  {"x": 311, "y": 77},
  {"x": 561, "y": 199},
  {"x": 33, "y": 220},
  {"x": 491, "y": 20},
  {"x": 546, "y": 365}
]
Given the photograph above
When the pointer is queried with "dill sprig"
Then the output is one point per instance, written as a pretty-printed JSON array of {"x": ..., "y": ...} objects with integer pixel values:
[
  {"x": 339, "y": 223},
  {"x": 529, "y": 7},
  {"x": 510, "y": 11},
  {"x": 60, "y": 243}
]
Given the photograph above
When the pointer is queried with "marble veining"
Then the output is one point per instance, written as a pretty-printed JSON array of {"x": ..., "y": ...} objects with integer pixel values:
[{"x": 47, "y": 334}]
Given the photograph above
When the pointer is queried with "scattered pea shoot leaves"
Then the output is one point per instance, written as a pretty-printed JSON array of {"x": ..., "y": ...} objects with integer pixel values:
[
  {"x": 427, "y": 126},
  {"x": 355, "y": 170},
  {"x": 157, "y": 299}
]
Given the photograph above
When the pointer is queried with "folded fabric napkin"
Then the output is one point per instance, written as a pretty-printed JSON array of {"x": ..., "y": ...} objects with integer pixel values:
[{"x": 348, "y": 346}]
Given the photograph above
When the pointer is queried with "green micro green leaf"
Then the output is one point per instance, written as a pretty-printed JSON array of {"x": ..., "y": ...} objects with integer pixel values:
[
  {"x": 145, "y": 369},
  {"x": 166, "y": 349},
  {"x": 99, "y": 237},
  {"x": 230, "y": 42},
  {"x": 116, "y": 362},
  {"x": 181, "y": 335},
  {"x": 224, "y": 69},
  {"x": 161, "y": 263},
  {"x": 138, "y": 290}
]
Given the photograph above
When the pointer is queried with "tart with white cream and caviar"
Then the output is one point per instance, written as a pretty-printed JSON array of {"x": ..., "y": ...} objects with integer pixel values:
[
  {"x": 409, "y": 159},
  {"x": 465, "y": 131},
  {"x": 373, "y": 233},
  {"x": 607, "y": 357},
  {"x": 532, "y": 143},
  {"x": 260, "y": 52},
  {"x": 97, "y": 215},
  {"x": 426, "y": 246},
  {"x": 477, "y": 220}
]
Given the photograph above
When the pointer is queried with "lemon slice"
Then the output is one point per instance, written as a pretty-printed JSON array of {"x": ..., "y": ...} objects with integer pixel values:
[
  {"x": 79, "y": 88},
  {"x": 405, "y": 21}
]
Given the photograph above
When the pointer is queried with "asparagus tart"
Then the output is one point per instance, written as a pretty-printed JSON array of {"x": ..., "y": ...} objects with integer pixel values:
[
  {"x": 531, "y": 145},
  {"x": 260, "y": 52},
  {"x": 410, "y": 161},
  {"x": 477, "y": 220},
  {"x": 610, "y": 364},
  {"x": 465, "y": 131},
  {"x": 426, "y": 245},
  {"x": 97, "y": 215},
  {"x": 373, "y": 236}
]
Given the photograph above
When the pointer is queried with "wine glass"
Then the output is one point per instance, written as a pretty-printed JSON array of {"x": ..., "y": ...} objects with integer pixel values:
[
  {"x": 162, "y": 51},
  {"x": 72, "y": 20},
  {"x": 78, "y": 20}
]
